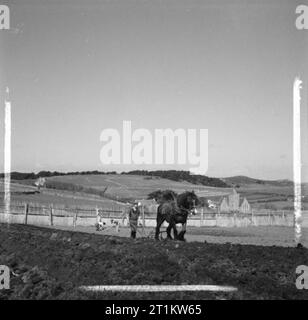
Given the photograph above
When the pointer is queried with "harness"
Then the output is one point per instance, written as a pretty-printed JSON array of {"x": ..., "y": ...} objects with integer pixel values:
[
  {"x": 180, "y": 209},
  {"x": 184, "y": 211}
]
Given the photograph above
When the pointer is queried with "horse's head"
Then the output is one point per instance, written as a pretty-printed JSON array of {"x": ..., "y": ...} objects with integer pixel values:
[
  {"x": 189, "y": 201},
  {"x": 194, "y": 202},
  {"x": 193, "y": 210}
]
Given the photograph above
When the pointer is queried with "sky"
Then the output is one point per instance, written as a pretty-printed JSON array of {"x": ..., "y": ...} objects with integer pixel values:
[{"x": 75, "y": 68}]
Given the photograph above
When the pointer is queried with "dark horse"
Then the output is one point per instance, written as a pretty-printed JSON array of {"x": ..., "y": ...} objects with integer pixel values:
[{"x": 176, "y": 211}]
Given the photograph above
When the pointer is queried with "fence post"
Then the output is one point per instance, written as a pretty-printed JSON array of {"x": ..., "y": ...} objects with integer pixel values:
[
  {"x": 216, "y": 216},
  {"x": 98, "y": 219},
  {"x": 252, "y": 217},
  {"x": 201, "y": 217},
  {"x": 143, "y": 221},
  {"x": 26, "y": 211},
  {"x": 75, "y": 218},
  {"x": 51, "y": 215}
]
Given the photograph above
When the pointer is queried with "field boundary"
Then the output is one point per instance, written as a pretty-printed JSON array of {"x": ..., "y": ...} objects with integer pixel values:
[{"x": 53, "y": 215}]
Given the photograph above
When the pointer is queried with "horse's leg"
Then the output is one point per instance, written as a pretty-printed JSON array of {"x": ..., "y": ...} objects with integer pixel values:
[
  {"x": 159, "y": 222},
  {"x": 170, "y": 226},
  {"x": 182, "y": 233},
  {"x": 175, "y": 232}
]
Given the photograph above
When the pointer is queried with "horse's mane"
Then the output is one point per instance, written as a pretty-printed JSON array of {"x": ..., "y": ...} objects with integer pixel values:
[
  {"x": 182, "y": 198},
  {"x": 168, "y": 195}
]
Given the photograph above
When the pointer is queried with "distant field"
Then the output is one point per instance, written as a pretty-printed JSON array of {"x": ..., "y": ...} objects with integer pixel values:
[
  {"x": 64, "y": 199},
  {"x": 17, "y": 187},
  {"x": 119, "y": 187},
  {"x": 136, "y": 187},
  {"x": 271, "y": 196},
  {"x": 21, "y": 192},
  {"x": 131, "y": 187}
]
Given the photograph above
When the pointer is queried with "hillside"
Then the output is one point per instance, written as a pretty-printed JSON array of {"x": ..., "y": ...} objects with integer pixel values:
[
  {"x": 129, "y": 186},
  {"x": 176, "y": 175},
  {"x": 92, "y": 188},
  {"x": 244, "y": 180}
]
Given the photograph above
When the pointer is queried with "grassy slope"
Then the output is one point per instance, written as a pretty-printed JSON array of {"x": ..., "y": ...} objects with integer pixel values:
[
  {"x": 244, "y": 180},
  {"x": 21, "y": 188},
  {"x": 267, "y": 195},
  {"x": 136, "y": 187},
  {"x": 119, "y": 187}
]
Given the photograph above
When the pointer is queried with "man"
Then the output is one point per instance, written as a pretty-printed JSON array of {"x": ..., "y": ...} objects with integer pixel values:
[{"x": 133, "y": 216}]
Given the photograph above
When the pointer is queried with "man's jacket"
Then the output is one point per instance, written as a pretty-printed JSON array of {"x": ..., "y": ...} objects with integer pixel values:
[{"x": 134, "y": 214}]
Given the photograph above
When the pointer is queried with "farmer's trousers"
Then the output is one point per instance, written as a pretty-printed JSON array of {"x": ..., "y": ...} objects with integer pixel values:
[{"x": 133, "y": 229}]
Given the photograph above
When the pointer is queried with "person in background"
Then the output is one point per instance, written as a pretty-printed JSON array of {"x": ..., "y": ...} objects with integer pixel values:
[{"x": 133, "y": 216}]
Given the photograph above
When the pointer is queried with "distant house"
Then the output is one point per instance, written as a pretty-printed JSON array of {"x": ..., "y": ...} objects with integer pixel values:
[
  {"x": 233, "y": 203},
  {"x": 223, "y": 205},
  {"x": 245, "y": 206}
]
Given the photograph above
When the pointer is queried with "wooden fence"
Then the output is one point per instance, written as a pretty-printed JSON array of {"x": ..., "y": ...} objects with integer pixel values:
[{"x": 53, "y": 215}]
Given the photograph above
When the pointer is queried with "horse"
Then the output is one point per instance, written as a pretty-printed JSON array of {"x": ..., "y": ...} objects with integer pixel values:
[{"x": 176, "y": 211}]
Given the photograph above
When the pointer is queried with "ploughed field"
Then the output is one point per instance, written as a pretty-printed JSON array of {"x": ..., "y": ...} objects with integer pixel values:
[
  {"x": 261, "y": 236},
  {"x": 52, "y": 264}
]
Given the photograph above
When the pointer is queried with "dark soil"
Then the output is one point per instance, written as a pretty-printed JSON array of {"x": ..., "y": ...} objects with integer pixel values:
[{"x": 52, "y": 264}]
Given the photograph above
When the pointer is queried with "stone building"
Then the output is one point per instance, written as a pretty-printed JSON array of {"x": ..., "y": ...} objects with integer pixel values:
[
  {"x": 233, "y": 203},
  {"x": 245, "y": 206},
  {"x": 223, "y": 205}
]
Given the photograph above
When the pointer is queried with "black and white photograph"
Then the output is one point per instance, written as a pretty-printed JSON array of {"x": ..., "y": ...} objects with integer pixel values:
[{"x": 154, "y": 153}]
